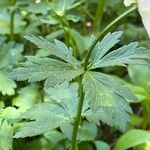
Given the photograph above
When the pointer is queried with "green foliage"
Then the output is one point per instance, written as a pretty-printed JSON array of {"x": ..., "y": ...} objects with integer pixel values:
[
  {"x": 140, "y": 77},
  {"x": 132, "y": 138},
  {"x": 6, "y": 135},
  {"x": 27, "y": 97},
  {"x": 47, "y": 116},
  {"x": 37, "y": 69},
  {"x": 128, "y": 54},
  {"x": 107, "y": 101},
  {"x": 100, "y": 145},
  {"x": 60, "y": 6},
  {"x": 7, "y": 85},
  {"x": 73, "y": 96},
  {"x": 105, "y": 97},
  {"x": 57, "y": 112},
  {"x": 10, "y": 53}
]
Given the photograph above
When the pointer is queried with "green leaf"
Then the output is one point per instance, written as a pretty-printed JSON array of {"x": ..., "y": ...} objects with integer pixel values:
[
  {"x": 140, "y": 75},
  {"x": 65, "y": 95},
  {"x": 60, "y": 6},
  {"x": 27, "y": 97},
  {"x": 44, "y": 117},
  {"x": 37, "y": 8},
  {"x": 54, "y": 136},
  {"x": 132, "y": 138},
  {"x": 59, "y": 111},
  {"x": 80, "y": 41},
  {"x": 58, "y": 49},
  {"x": 101, "y": 145},
  {"x": 10, "y": 53},
  {"x": 128, "y": 54},
  {"x": 104, "y": 46},
  {"x": 6, "y": 135},
  {"x": 4, "y": 3},
  {"x": 5, "y": 22},
  {"x": 51, "y": 70},
  {"x": 67, "y": 130},
  {"x": 11, "y": 114},
  {"x": 87, "y": 131},
  {"x": 2, "y": 39},
  {"x": 7, "y": 85},
  {"x": 55, "y": 34},
  {"x": 108, "y": 100}
]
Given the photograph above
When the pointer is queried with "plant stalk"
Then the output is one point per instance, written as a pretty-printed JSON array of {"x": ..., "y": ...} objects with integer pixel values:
[
  {"x": 99, "y": 14},
  {"x": 78, "y": 116},
  {"x": 105, "y": 30},
  {"x": 67, "y": 29},
  {"x": 12, "y": 16}
]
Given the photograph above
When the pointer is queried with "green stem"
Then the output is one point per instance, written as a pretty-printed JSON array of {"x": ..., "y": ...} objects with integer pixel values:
[
  {"x": 67, "y": 29},
  {"x": 78, "y": 117},
  {"x": 76, "y": 52},
  {"x": 88, "y": 13},
  {"x": 12, "y": 16},
  {"x": 99, "y": 14},
  {"x": 106, "y": 29}
]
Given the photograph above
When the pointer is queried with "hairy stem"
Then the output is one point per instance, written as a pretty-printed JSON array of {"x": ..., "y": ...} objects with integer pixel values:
[
  {"x": 106, "y": 29},
  {"x": 78, "y": 116},
  {"x": 12, "y": 16},
  {"x": 99, "y": 14}
]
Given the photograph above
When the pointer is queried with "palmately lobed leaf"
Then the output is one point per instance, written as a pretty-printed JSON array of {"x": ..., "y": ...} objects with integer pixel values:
[
  {"x": 108, "y": 99},
  {"x": 51, "y": 70}
]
